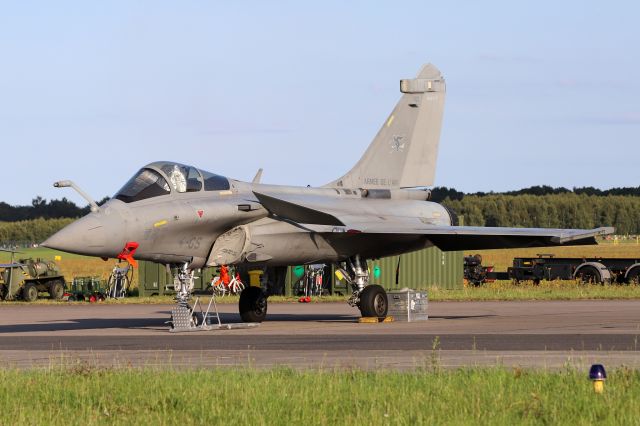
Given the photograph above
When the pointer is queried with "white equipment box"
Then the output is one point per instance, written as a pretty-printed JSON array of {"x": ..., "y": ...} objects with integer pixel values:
[{"x": 408, "y": 305}]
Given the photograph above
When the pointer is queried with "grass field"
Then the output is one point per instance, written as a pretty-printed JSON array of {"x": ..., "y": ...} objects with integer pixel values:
[{"x": 86, "y": 396}]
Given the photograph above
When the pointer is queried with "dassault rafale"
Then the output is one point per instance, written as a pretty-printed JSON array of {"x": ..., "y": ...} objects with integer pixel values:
[{"x": 188, "y": 218}]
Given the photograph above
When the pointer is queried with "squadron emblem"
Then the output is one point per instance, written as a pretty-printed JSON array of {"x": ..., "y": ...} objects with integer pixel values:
[{"x": 397, "y": 143}]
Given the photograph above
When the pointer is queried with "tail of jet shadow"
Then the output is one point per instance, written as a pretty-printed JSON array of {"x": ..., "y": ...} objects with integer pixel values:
[{"x": 404, "y": 152}]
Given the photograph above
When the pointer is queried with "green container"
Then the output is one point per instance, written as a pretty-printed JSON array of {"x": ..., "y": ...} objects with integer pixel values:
[
  {"x": 152, "y": 279},
  {"x": 419, "y": 270}
]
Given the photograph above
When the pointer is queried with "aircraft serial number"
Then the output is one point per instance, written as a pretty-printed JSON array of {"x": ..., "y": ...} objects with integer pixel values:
[
  {"x": 380, "y": 181},
  {"x": 192, "y": 243}
]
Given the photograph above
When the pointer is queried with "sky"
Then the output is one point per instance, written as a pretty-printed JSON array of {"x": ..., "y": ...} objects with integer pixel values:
[{"x": 538, "y": 93}]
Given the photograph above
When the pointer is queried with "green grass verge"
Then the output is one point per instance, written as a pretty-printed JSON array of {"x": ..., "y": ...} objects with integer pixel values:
[{"x": 283, "y": 397}]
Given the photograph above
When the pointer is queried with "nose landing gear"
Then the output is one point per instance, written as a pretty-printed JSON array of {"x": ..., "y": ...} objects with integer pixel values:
[{"x": 253, "y": 307}]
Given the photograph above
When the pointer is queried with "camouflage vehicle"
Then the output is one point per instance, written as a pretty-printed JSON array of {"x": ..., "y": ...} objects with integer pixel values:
[{"x": 27, "y": 277}]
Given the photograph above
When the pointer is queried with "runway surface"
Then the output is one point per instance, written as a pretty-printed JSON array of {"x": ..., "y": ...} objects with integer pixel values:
[{"x": 326, "y": 335}]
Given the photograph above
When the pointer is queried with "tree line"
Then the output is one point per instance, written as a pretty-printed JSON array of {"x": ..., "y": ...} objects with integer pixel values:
[
  {"x": 27, "y": 232},
  {"x": 440, "y": 193},
  {"x": 41, "y": 208},
  {"x": 564, "y": 210}
]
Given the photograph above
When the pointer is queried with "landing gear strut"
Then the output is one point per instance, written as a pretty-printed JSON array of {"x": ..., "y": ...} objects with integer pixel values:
[
  {"x": 183, "y": 283},
  {"x": 371, "y": 299}
]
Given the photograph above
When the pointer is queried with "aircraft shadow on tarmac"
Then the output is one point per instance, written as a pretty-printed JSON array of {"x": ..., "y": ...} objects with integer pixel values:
[
  {"x": 161, "y": 322},
  {"x": 227, "y": 317},
  {"x": 146, "y": 323},
  {"x": 85, "y": 324},
  {"x": 459, "y": 317}
]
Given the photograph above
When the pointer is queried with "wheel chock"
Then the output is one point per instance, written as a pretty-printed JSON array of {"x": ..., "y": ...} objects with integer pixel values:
[{"x": 374, "y": 320}]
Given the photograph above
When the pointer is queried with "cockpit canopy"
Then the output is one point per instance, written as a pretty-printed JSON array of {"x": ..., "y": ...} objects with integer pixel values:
[{"x": 163, "y": 178}]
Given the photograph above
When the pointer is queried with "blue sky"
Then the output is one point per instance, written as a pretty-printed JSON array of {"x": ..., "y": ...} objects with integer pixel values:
[{"x": 538, "y": 92}]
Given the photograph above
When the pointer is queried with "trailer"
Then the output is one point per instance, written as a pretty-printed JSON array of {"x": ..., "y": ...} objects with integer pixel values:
[
  {"x": 597, "y": 270},
  {"x": 587, "y": 270}
]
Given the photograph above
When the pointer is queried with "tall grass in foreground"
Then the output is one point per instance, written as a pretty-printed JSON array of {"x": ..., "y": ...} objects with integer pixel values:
[{"x": 284, "y": 397}]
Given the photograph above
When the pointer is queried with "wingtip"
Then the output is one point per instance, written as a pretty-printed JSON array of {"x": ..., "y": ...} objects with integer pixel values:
[{"x": 606, "y": 230}]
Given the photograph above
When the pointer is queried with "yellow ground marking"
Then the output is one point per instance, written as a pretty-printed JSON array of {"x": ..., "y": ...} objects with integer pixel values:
[{"x": 374, "y": 320}]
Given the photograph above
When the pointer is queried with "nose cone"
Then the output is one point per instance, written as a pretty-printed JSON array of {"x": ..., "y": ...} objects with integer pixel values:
[{"x": 87, "y": 236}]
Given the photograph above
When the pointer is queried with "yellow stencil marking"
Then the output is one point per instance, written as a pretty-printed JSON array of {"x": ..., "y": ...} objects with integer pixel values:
[
  {"x": 390, "y": 120},
  {"x": 159, "y": 224},
  {"x": 226, "y": 192}
]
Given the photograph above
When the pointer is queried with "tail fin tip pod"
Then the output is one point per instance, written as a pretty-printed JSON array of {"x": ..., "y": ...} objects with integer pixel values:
[{"x": 404, "y": 152}]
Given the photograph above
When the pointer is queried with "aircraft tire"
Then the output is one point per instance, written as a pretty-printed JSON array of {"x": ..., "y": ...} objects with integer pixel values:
[
  {"x": 373, "y": 301},
  {"x": 252, "y": 305},
  {"x": 30, "y": 292}
]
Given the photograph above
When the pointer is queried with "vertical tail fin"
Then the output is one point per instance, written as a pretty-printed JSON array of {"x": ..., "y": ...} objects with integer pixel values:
[{"x": 404, "y": 152}]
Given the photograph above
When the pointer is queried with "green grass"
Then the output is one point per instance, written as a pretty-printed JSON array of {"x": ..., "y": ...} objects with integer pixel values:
[
  {"x": 546, "y": 290},
  {"x": 88, "y": 396}
]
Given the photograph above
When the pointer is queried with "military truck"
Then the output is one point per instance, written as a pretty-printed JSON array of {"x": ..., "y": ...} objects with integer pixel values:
[{"x": 26, "y": 278}]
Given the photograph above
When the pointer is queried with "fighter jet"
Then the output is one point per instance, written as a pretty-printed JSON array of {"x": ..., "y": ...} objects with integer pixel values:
[{"x": 186, "y": 217}]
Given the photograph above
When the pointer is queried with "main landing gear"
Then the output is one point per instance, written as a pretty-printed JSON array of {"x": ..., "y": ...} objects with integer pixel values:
[
  {"x": 253, "y": 304},
  {"x": 371, "y": 299}
]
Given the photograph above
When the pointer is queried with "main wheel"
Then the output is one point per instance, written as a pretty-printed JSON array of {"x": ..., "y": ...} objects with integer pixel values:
[
  {"x": 373, "y": 301},
  {"x": 30, "y": 292},
  {"x": 253, "y": 305},
  {"x": 56, "y": 290}
]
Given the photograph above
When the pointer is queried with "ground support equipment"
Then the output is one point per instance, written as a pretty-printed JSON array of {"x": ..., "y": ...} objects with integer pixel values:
[{"x": 185, "y": 318}]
